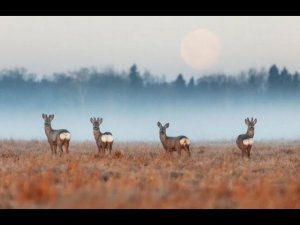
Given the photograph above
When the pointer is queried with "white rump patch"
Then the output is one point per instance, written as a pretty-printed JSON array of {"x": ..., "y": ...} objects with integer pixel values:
[
  {"x": 184, "y": 141},
  {"x": 65, "y": 136},
  {"x": 248, "y": 141},
  {"x": 107, "y": 138}
]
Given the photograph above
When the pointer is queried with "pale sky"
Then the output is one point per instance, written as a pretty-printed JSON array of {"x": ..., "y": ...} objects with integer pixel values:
[{"x": 44, "y": 45}]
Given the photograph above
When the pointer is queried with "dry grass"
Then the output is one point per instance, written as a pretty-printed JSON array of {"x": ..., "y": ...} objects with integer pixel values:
[{"x": 140, "y": 175}]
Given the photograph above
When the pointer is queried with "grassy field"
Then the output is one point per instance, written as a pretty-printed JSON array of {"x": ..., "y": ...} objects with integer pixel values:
[{"x": 140, "y": 175}]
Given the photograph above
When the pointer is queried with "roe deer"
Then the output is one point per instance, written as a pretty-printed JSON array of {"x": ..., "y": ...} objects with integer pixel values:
[
  {"x": 173, "y": 143},
  {"x": 245, "y": 141},
  {"x": 56, "y": 138},
  {"x": 103, "y": 140}
]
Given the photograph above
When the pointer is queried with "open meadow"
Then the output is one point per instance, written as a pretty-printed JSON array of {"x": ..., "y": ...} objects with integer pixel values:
[{"x": 141, "y": 175}]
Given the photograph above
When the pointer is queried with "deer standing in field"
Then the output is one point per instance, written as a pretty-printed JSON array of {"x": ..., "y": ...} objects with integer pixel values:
[
  {"x": 171, "y": 144},
  {"x": 103, "y": 140},
  {"x": 56, "y": 138},
  {"x": 245, "y": 141}
]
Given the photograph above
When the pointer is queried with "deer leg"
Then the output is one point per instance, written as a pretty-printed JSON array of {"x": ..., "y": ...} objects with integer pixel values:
[
  {"x": 51, "y": 147},
  {"x": 54, "y": 149},
  {"x": 99, "y": 148},
  {"x": 67, "y": 147},
  {"x": 248, "y": 151},
  {"x": 243, "y": 153},
  {"x": 60, "y": 149},
  {"x": 102, "y": 146},
  {"x": 105, "y": 147},
  {"x": 110, "y": 148},
  {"x": 187, "y": 148}
]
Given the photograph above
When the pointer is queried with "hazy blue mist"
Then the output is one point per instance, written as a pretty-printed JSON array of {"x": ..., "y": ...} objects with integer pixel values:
[{"x": 131, "y": 103}]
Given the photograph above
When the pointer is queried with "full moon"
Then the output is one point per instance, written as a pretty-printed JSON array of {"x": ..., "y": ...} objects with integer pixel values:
[{"x": 200, "y": 49}]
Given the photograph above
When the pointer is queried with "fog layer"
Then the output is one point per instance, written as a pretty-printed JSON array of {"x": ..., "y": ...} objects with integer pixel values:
[{"x": 212, "y": 107}]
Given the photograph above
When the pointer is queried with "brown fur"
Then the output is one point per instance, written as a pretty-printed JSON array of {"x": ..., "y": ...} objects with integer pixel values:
[
  {"x": 250, "y": 134},
  {"x": 171, "y": 144},
  {"x": 53, "y": 136},
  {"x": 97, "y": 134}
]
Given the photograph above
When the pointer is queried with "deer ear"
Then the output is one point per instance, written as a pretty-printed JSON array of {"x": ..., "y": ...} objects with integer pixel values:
[
  {"x": 51, "y": 116},
  {"x": 167, "y": 125},
  {"x": 43, "y": 116},
  {"x": 255, "y": 121},
  {"x": 100, "y": 120},
  {"x": 91, "y": 119},
  {"x": 246, "y": 121},
  {"x": 159, "y": 124}
]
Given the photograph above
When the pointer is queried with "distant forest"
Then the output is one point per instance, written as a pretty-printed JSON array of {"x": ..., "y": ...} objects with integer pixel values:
[{"x": 89, "y": 86}]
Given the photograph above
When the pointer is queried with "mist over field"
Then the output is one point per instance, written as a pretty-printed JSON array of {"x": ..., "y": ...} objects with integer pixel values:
[{"x": 212, "y": 107}]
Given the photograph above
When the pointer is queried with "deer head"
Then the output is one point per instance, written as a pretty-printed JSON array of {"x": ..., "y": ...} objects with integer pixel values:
[
  {"x": 96, "y": 122},
  {"x": 162, "y": 129},
  {"x": 250, "y": 124},
  {"x": 47, "y": 119}
]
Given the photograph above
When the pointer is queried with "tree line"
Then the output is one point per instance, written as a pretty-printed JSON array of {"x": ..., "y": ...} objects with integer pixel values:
[{"x": 90, "y": 86}]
